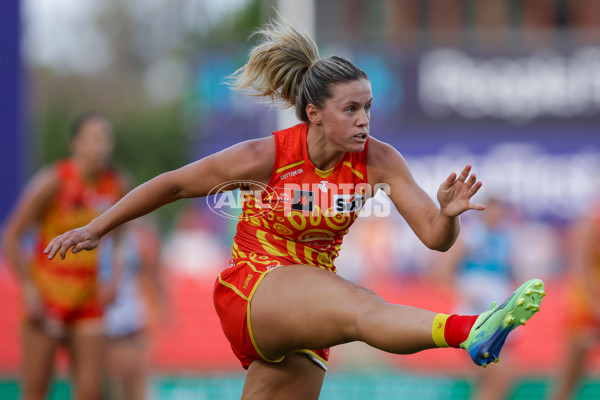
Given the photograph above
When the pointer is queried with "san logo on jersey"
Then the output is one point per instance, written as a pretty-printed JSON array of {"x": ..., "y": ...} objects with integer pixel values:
[
  {"x": 307, "y": 198},
  {"x": 347, "y": 203}
]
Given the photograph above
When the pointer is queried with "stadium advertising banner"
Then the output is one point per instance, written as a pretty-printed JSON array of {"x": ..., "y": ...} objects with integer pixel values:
[
  {"x": 10, "y": 104},
  {"x": 527, "y": 122}
]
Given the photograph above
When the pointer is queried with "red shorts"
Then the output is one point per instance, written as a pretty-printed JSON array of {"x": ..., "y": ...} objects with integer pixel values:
[
  {"x": 69, "y": 297},
  {"x": 232, "y": 296},
  {"x": 59, "y": 322},
  {"x": 91, "y": 310}
]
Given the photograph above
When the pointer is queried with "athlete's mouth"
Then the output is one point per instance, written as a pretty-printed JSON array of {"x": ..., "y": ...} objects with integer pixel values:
[{"x": 361, "y": 136}]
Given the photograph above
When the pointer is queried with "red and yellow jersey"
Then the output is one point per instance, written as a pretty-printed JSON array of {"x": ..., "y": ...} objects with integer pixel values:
[
  {"x": 304, "y": 213},
  {"x": 68, "y": 284}
]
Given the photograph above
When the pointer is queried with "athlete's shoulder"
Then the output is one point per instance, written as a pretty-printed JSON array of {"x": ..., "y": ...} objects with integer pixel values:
[
  {"x": 258, "y": 148},
  {"x": 294, "y": 130},
  {"x": 383, "y": 160},
  {"x": 251, "y": 159},
  {"x": 44, "y": 184},
  {"x": 50, "y": 174},
  {"x": 381, "y": 154}
]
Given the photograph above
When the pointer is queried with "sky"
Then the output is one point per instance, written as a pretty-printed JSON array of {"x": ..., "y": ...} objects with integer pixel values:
[{"x": 58, "y": 33}]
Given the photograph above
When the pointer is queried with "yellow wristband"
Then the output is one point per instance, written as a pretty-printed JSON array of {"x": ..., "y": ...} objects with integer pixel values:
[{"x": 438, "y": 329}]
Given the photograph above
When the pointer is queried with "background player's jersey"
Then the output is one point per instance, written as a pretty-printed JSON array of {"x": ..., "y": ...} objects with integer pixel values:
[
  {"x": 70, "y": 283},
  {"x": 305, "y": 212}
]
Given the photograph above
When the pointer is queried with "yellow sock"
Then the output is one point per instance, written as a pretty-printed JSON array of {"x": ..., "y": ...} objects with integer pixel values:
[{"x": 438, "y": 330}]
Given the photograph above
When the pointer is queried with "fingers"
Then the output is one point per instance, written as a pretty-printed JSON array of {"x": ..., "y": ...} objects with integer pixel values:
[
  {"x": 60, "y": 245},
  {"x": 464, "y": 174},
  {"x": 85, "y": 245},
  {"x": 53, "y": 247},
  {"x": 471, "y": 192},
  {"x": 474, "y": 187},
  {"x": 449, "y": 181},
  {"x": 471, "y": 181},
  {"x": 64, "y": 247},
  {"x": 76, "y": 240},
  {"x": 476, "y": 206},
  {"x": 468, "y": 181}
]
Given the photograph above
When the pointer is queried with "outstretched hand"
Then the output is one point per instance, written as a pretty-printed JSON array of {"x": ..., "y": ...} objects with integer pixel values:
[
  {"x": 78, "y": 239},
  {"x": 454, "y": 194}
]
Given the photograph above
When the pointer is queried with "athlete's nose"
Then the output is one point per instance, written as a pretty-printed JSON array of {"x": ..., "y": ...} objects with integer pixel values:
[{"x": 363, "y": 118}]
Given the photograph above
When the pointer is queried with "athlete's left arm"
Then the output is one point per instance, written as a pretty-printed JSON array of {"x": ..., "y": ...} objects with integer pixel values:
[{"x": 437, "y": 227}]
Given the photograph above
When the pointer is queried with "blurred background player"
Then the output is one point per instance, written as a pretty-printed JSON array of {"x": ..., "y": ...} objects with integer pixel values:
[
  {"x": 62, "y": 301},
  {"x": 137, "y": 305},
  {"x": 479, "y": 269},
  {"x": 583, "y": 300}
]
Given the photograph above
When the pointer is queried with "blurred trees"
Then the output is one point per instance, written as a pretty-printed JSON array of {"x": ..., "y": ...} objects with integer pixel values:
[{"x": 143, "y": 53}]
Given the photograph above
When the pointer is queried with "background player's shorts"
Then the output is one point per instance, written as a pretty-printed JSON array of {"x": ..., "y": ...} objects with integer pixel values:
[
  {"x": 59, "y": 322},
  {"x": 233, "y": 293}
]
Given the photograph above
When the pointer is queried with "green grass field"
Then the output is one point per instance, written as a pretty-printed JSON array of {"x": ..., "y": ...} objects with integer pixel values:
[{"x": 376, "y": 384}]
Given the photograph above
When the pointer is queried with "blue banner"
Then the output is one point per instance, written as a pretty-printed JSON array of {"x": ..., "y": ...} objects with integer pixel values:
[{"x": 11, "y": 135}]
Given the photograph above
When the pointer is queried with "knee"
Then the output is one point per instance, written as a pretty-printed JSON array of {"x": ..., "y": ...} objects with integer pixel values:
[{"x": 366, "y": 304}]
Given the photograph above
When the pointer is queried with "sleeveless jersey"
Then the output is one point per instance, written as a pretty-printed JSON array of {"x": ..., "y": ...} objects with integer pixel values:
[
  {"x": 304, "y": 212},
  {"x": 68, "y": 284}
]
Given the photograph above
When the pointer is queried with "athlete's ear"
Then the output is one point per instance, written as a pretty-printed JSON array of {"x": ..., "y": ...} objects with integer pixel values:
[{"x": 313, "y": 114}]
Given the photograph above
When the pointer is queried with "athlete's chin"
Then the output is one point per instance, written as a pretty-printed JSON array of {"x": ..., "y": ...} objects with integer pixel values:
[{"x": 356, "y": 147}]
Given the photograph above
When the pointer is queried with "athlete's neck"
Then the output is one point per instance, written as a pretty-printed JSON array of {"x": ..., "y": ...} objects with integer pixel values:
[{"x": 321, "y": 153}]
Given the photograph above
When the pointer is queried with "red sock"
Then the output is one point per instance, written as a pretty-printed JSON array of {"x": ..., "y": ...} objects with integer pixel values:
[{"x": 457, "y": 329}]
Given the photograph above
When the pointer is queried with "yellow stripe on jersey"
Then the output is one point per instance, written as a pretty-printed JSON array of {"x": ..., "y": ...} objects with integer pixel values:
[
  {"x": 230, "y": 286},
  {"x": 289, "y": 166},
  {"x": 237, "y": 251},
  {"x": 250, "y": 331},
  {"x": 324, "y": 174},
  {"x": 355, "y": 172}
]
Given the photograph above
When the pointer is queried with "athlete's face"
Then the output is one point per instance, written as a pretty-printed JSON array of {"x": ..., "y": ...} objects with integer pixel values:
[
  {"x": 346, "y": 115},
  {"x": 93, "y": 144}
]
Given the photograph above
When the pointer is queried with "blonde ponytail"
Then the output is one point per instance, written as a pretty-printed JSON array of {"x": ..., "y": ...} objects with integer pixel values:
[
  {"x": 276, "y": 66},
  {"x": 286, "y": 69}
]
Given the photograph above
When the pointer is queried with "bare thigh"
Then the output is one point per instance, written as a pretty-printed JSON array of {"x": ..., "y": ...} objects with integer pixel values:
[
  {"x": 127, "y": 357},
  {"x": 38, "y": 360},
  {"x": 127, "y": 365},
  {"x": 87, "y": 359},
  {"x": 296, "y": 377},
  {"x": 302, "y": 307}
]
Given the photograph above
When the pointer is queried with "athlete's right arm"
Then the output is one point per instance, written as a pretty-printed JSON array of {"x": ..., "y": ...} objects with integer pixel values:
[
  {"x": 251, "y": 160},
  {"x": 34, "y": 199}
]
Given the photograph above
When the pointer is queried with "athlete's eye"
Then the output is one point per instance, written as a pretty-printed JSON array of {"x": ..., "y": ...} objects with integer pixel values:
[
  {"x": 351, "y": 109},
  {"x": 368, "y": 108}
]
